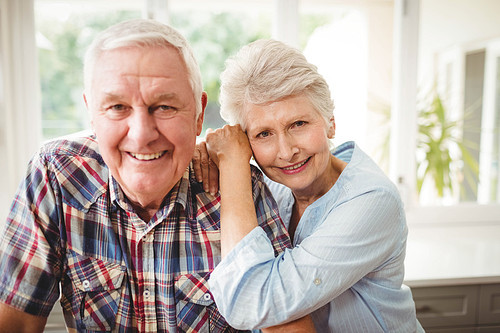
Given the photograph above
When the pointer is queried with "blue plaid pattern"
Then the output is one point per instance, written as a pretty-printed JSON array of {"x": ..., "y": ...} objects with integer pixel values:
[{"x": 71, "y": 229}]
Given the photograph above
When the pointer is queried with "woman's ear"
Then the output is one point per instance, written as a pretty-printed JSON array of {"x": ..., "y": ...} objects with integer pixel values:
[{"x": 331, "y": 128}]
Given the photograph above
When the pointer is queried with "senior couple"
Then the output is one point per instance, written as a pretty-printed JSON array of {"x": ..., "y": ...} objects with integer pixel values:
[{"x": 118, "y": 226}]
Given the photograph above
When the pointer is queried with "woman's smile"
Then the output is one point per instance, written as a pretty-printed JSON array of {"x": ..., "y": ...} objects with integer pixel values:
[
  {"x": 297, "y": 167},
  {"x": 289, "y": 140}
]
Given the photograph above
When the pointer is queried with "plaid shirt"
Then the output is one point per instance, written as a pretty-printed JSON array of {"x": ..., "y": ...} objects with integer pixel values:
[{"x": 72, "y": 229}]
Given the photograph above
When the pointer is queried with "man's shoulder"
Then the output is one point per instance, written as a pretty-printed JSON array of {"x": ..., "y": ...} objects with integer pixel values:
[
  {"x": 77, "y": 167},
  {"x": 82, "y": 144}
]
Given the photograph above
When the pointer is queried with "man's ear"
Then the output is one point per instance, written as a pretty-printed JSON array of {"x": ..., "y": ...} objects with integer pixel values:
[
  {"x": 85, "y": 100},
  {"x": 199, "y": 121},
  {"x": 88, "y": 110}
]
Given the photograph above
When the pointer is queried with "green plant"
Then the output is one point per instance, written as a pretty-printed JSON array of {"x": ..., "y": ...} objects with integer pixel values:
[{"x": 440, "y": 148}]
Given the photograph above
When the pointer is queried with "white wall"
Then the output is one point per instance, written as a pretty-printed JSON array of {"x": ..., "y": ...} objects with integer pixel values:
[{"x": 446, "y": 23}]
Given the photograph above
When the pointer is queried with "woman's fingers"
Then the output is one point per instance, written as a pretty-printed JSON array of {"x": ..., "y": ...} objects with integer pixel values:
[
  {"x": 201, "y": 165},
  {"x": 204, "y": 164},
  {"x": 213, "y": 177}
]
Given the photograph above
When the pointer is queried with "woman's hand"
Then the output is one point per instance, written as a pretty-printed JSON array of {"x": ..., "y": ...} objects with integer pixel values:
[
  {"x": 228, "y": 144},
  {"x": 205, "y": 169},
  {"x": 229, "y": 141}
]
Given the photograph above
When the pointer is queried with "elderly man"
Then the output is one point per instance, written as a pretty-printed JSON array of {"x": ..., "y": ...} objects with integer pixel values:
[{"x": 114, "y": 222}]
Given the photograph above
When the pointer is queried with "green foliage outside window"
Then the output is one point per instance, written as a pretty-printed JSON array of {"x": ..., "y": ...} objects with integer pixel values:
[
  {"x": 444, "y": 152},
  {"x": 214, "y": 37},
  {"x": 60, "y": 62}
]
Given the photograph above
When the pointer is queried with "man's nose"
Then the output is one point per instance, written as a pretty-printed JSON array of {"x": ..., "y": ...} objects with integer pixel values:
[{"x": 142, "y": 127}]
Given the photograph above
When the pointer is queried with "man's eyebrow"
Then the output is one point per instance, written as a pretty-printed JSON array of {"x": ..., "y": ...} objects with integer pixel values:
[
  {"x": 166, "y": 96},
  {"x": 112, "y": 96}
]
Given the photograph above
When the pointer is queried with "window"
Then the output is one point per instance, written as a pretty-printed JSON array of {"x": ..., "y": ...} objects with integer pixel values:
[
  {"x": 458, "y": 130},
  {"x": 216, "y": 30},
  {"x": 64, "y": 29},
  {"x": 388, "y": 62},
  {"x": 471, "y": 102}
]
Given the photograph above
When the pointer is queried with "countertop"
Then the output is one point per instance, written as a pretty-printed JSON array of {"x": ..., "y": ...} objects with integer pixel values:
[{"x": 452, "y": 255}]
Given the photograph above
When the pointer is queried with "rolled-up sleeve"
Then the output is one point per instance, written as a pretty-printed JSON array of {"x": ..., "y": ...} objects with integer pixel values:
[{"x": 255, "y": 289}]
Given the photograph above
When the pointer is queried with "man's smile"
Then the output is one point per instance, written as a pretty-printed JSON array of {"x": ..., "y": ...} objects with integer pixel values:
[{"x": 147, "y": 157}]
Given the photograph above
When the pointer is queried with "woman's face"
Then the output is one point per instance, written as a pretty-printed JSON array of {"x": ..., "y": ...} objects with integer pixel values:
[{"x": 289, "y": 139}]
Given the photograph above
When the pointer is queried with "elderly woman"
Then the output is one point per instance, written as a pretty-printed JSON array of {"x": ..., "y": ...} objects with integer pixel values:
[{"x": 344, "y": 216}]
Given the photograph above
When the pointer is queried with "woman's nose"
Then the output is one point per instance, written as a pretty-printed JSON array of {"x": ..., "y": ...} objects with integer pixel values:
[{"x": 287, "y": 147}]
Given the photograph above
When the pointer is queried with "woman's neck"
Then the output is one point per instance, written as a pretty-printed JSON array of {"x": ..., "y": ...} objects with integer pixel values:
[{"x": 304, "y": 200}]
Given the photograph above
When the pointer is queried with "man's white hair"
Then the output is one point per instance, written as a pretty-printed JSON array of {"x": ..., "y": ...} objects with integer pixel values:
[{"x": 143, "y": 33}]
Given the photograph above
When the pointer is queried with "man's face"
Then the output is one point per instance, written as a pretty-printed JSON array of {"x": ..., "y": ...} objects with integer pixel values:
[{"x": 143, "y": 113}]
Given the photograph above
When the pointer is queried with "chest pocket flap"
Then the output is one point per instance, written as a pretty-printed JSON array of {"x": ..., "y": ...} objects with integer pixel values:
[
  {"x": 193, "y": 288},
  {"x": 95, "y": 293},
  {"x": 91, "y": 274}
]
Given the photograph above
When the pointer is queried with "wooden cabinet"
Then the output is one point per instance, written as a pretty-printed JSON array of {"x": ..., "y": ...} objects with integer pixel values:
[{"x": 459, "y": 308}]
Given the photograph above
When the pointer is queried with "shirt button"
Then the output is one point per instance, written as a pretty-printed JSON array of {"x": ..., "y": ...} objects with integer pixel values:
[
  {"x": 86, "y": 284},
  {"x": 317, "y": 281},
  {"x": 146, "y": 294},
  {"x": 147, "y": 238},
  {"x": 207, "y": 297}
]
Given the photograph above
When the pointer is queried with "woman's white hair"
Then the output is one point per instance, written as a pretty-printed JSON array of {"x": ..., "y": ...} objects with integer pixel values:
[
  {"x": 266, "y": 71},
  {"x": 143, "y": 33}
]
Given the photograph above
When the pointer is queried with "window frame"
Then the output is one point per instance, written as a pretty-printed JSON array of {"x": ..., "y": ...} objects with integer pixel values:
[
  {"x": 403, "y": 135},
  {"x": 22, "y": 137}
]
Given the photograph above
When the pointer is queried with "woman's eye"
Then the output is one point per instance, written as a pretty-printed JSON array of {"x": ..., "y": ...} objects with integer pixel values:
[
  {"x": 299, "y": 123},
  {"x": 263, "y": 134}
]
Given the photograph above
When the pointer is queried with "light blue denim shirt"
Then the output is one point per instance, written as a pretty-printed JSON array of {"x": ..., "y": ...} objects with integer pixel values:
[{"x": 346, "y": 268}]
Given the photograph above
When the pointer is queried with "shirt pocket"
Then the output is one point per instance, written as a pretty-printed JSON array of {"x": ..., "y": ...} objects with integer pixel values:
[
  {"x": 196, "y": 310},
  {"x": 97, "y": 289}
]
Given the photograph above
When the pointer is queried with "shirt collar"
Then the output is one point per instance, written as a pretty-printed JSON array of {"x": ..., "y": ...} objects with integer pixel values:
[{"x": 177, "y": 195}]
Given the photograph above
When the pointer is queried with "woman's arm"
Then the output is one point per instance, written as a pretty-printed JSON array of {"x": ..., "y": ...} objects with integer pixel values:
[
  {"x": 230, "y": 151},
  {"x": 255, "y": 289}
]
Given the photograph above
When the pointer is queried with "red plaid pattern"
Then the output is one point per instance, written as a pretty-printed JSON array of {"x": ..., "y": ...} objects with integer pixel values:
[{"x": 72, "y": 229}]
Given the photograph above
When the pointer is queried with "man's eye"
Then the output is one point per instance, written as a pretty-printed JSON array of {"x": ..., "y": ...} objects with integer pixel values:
[
  {"x": 164, "y": 111},
  {"x": 117, "y": 111},
  {"x": 117, "y": 107}
]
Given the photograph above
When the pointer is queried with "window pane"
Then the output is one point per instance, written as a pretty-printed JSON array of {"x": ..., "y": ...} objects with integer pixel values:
[
  {"x": 352, "y": 46},
  {"x": 457, "y": 148},
  {"x": 494, "y": 180},
  {"x": 64, "y": 30},
  {"x": 472, "y": 118},
  {"x": 216, "y": 31}
]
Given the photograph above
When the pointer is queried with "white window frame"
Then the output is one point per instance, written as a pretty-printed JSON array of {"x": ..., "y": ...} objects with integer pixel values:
[
  {"x": 21, "y": 125},
  {"x": 487, "y": 137},
  {"x": 20, "y": 116},
  {"x": 403, "y": 136}
]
